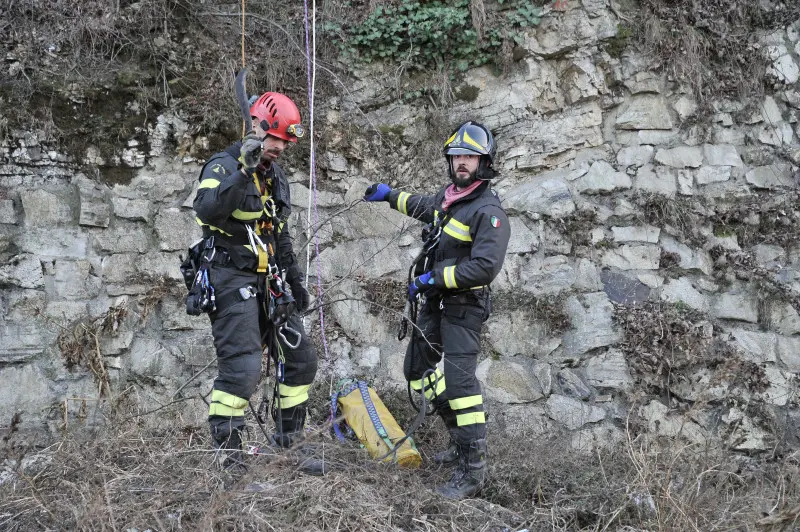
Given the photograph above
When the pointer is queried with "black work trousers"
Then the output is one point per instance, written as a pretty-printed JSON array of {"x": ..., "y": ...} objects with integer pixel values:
[
  {"x": 449, "y": 327},
  {"x": 241, "y": 330}
]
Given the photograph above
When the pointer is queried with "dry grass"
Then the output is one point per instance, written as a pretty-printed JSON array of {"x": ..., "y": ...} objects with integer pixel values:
[
  {"x": 679, "y": 216},
  {"x": 101, "y": 71},
  {"x": 131, "y": 477},
  {"x": 388, "y": 295},
  {"x": 577, "y": 226},
  {"x": 159, "y": 288},
  {"x": 711, "y": 46},
  {"x": 763, "y": 218},
  {"x": 666, "y": 342},
  {"x": 79, "y": 344}
]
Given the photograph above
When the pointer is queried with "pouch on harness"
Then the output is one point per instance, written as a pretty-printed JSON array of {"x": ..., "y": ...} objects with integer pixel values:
[
  {"x": 201, "y": 297},
  {"x": 368, "y": 419}
]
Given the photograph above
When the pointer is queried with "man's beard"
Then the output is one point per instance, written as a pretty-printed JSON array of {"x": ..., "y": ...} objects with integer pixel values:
[{"x": 461, "y": 181}]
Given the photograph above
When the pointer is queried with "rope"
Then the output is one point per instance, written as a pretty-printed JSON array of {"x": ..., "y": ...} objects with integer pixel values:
[
  {"x": 311, "y": 79},
  {"x": 243, "y": 28},
  {"x": 311, "y": 65},
  {"x": 243, "y": 64}
]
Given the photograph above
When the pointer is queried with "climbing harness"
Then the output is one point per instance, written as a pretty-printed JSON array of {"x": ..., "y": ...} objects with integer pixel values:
[{"x": 431, "y": 235}]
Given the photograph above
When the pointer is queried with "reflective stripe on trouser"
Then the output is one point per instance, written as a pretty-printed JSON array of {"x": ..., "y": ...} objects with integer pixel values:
[
  {"x": 433, "y": 385},
  {"x": 455, "y": 332},
  {"x": 226, "y": 405},
  {"x": 299, "y": 369},
  {"x": 237, "y": 332}
]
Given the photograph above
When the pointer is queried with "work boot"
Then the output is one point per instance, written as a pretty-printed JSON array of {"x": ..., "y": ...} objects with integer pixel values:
[
  {"x": 448, "y": 457},
  {"x": 305, "y": 454},
  {"x": 470, "y": 477},
  {"x": 228, "y": 451}
]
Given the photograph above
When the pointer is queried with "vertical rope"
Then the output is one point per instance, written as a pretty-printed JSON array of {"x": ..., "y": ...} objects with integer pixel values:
[
  {"x": 311, "y": 65},
  {"x": 311, "y": 79},
  {"x": 243, "y": 64}
]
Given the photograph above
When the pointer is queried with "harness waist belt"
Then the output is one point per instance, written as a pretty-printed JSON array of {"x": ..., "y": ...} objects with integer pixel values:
[
  {"x": 453, "y": 253},
  {"x": 467, "y": 295},
  {"x": 240, "y": 255}
]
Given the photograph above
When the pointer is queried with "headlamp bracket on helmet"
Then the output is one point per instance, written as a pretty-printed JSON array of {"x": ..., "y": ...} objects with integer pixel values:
[{"x": 296, "y": 130}]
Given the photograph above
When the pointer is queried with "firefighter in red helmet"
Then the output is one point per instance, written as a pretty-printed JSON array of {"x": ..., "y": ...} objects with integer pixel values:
[{"x": 243, "y": 205}]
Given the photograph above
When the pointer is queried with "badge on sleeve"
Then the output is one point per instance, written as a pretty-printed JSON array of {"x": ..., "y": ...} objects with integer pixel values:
[{"x": 495, "y": 221}]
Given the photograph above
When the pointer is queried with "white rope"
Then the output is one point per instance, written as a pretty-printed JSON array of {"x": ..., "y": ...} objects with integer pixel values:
[{"x": 311, "y": 189}]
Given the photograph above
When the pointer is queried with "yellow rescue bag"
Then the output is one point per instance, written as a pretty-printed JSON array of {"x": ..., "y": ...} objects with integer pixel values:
[{"x": 371, "y": 422}]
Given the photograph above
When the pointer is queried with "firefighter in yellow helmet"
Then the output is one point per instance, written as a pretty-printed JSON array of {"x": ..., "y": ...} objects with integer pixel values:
[{"x": 465, "y": 245}]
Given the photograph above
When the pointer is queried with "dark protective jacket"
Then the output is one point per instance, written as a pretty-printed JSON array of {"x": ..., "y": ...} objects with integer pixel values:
[
  {"x": 474, "y": 235},
  {"x": 227, "y": 200}
]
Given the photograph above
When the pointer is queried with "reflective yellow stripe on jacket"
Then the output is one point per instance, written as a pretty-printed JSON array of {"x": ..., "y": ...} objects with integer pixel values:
[
  {"x": 458, "y": 230},
  {"x": 245, "y": 216},
  {"x": 402, "y": 202},
  {"x": 201, "y": 223},
  {"x": 449, "y": 274}
]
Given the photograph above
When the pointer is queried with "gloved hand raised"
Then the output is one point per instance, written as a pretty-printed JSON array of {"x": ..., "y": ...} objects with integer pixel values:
[
  {"x": 420, "y": 285},
  {"x": 251, "y": 150},
  {"x": 377, "y": 192}
]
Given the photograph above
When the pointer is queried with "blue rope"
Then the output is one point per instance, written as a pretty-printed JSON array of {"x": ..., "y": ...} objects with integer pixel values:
[
  {"x": 335, "y": 407},
  {"x": 370, "y": 406},
  {"x": 373, "y": 414}
]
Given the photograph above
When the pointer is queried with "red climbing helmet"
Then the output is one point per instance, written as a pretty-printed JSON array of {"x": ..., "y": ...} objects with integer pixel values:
[{"x": 278, "y": 116}]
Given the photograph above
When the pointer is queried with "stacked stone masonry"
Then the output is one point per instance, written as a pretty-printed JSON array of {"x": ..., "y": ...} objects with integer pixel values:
[{"x": 582, "y": 136}]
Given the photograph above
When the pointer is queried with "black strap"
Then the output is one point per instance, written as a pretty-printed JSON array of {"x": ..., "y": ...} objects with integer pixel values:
[
  {"x": 233, "y": 296},
  {"x": 453, "y": 253},
  {"x": 228, "y": 299}
]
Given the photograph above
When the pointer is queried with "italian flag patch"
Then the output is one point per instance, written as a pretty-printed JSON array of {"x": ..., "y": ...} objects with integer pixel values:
[{"x": 495, "y": 221}]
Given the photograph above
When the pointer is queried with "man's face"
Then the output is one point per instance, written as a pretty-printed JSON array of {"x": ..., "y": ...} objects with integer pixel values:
[
  {"x": 464, "y": 169},
  {"x": 273, "y": 146}
]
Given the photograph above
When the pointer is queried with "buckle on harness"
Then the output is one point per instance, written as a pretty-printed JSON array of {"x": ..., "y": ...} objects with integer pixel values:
[{"x": 247, "y": 292}]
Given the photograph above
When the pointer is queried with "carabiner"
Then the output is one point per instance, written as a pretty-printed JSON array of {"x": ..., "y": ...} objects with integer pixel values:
[
  {"x": 255, "y": 240},
  {"x": 272, "y": 207},
  {"x": 285, "y": 340}
]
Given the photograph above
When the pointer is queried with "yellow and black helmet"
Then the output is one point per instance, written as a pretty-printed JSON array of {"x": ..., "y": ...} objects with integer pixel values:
[{"x": 472, "y": 138}]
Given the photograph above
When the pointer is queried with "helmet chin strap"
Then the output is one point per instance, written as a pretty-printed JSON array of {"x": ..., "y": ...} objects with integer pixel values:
[{"x": 483, "y": 171}]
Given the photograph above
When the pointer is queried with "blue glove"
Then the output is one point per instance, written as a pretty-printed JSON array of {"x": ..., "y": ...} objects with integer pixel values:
[
  {"x": 377, "y": 192},
  {"x": 421, "y": 285}
]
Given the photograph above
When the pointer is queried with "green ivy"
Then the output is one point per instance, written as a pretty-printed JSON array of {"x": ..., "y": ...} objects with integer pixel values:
[{"x": 428, "y": 34}]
